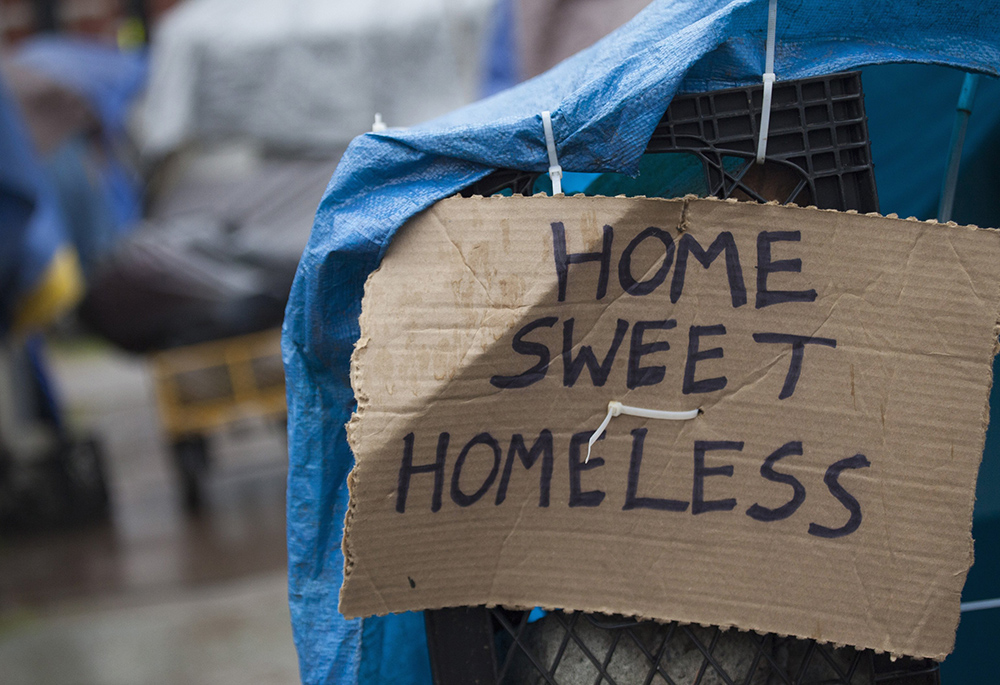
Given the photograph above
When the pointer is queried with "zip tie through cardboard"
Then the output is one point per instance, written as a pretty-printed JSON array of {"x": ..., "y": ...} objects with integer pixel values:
[
  {"x": 555, "y": 171},
  {"x": 980, "y": 605},
  {"x": 765, "y": 109},
  {"x": 617, "y": 409}
]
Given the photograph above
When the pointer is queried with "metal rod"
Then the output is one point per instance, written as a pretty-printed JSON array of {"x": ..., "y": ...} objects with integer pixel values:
[{"x": 964, "y": 110}]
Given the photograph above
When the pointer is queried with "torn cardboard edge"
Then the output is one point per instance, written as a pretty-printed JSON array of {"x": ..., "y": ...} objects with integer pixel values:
[
  {"x": 363, "y": 400},
  {"x": 666, "y": 621},
  {"x": 692, "y": 198}
]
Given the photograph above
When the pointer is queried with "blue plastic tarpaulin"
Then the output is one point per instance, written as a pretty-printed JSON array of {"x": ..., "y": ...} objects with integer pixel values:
[
  {"x": 605, "y": 103},
  {"x": 32, "y": 230},
  {"x": 109, "y": 80}
]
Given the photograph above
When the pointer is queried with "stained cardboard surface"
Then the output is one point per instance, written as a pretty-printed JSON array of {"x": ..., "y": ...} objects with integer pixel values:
[{"x": 836, "y": 505}]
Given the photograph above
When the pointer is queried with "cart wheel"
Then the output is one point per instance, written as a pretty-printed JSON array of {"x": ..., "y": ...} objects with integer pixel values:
[
  {"x": 191, "y": 458},
  {"x": 85, "y": 473},
  {"x": 68, "y": 488},
  {"x": 8, "y": 493}
]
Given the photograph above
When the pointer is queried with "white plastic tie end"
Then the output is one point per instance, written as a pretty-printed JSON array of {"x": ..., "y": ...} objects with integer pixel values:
[{"x": 616, "y": 408}]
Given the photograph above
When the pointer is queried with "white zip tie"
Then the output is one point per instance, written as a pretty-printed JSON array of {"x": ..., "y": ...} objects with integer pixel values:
[
  {"x": 980, "y": 605},
  {"x": 617, "y": 409},
  {"x": 555, "y": 171},
  {"x": 765, "y": 110}
]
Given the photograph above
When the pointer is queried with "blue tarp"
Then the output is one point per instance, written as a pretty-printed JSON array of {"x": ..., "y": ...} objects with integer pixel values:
[
  {"x": 32, "y": 230},
  {"x": 109, "y": 80},
  {"x": 605, "y": 103}
]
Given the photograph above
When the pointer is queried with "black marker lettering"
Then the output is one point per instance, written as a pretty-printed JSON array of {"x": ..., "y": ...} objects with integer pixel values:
[
  {"x": 798, "y": 343},
  {"x": 457, "y": 495},
  {"x": 564, "y": 259},
  {"x": 577, "y": 496},
  {"x": 765, "y": 267},
  {"x": 628, "y": 282},
  {"x": 598, "y": 372},
  {"x": 543, "y": 448},
  {"x": 761, "y": 513},
  {"x": 694, "y": 356},
  {"x": 407, "y": 469},
  {"x": 536, "y": 372},
  {"x": 699, "y": 505},
  {"x": 858, "y": 461},
  {"x": 633, "y": 502},
  {"x": 646, "y": 375},
  {"x": 687, "y": 244}
]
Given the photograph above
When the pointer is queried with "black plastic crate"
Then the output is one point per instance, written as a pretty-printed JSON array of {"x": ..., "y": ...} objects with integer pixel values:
[{"x": 818, "y": 153}]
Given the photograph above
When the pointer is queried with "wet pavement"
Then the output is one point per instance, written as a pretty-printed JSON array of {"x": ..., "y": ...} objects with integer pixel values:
[{"x": 155, "y": 595}]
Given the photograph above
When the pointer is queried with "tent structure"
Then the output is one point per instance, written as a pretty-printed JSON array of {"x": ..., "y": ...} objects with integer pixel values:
[
  {"x": 297, "y": 75},
  {"x": 605, "y": 103}
]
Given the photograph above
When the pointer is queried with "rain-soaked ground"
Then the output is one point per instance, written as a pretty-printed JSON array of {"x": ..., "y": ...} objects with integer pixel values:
[{"x": 154, "y": 595}]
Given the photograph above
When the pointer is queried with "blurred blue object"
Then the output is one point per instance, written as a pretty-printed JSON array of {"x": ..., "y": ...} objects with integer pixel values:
[
  {"x": 605, "y": 103},
  {"x": 32, "y": 231},
  {"x": 109, "y": 80},
  {"x": 18, "y": 183},
  {"x": 500, "y": 63},
  {"x": 98, "y": 200},
  {"x": 537, "y": 614}
]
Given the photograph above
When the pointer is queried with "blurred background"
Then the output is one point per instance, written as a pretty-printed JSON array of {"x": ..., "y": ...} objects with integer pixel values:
[{"x": 160, "y": 165}]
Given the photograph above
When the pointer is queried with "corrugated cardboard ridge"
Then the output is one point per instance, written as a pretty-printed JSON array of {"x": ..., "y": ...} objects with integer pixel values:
[
  {"x": 730, "y": 200},
  {"x": 361, "y": 350}
]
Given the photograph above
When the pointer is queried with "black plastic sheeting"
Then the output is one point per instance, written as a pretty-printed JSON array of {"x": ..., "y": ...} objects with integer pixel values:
[{"x": 216, "y": 260}]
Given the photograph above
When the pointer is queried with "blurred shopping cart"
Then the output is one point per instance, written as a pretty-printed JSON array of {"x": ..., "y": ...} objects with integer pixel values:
[{"x": 206, "y": 387}]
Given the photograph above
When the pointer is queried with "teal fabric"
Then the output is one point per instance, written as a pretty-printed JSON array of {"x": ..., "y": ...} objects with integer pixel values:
[
  {"x": 605, "y": 103},
  {"x": 910, "y": 152}
]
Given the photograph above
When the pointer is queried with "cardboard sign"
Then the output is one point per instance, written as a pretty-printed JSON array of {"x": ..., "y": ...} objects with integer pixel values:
[{"x": 841, "y": 364}]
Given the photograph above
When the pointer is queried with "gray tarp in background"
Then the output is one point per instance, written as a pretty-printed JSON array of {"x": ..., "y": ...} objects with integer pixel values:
[{"x": 308, "y": 74}]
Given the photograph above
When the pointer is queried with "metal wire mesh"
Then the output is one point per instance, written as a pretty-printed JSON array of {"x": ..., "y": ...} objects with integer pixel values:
[{"x": 570, "y": 648}]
